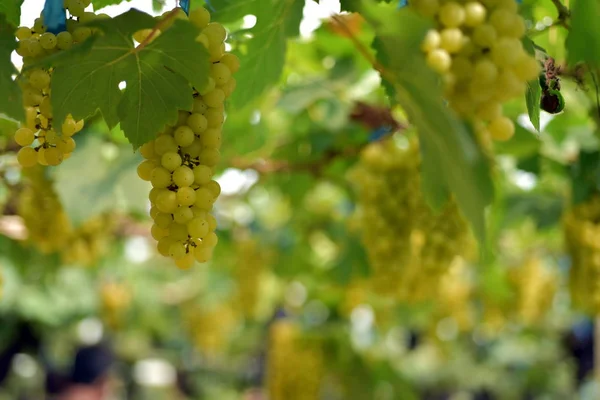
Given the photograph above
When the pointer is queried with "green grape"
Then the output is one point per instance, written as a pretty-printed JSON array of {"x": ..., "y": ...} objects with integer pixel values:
[
  {"x": 160, "y": 178},
  {"x": 164, "y": 245},
  {"x": 158, "y": 233},
  {"x": 38, "y": 25},
  {"x": 182, "y": 117},
  {"x": 485, "y": 71},
  {"x": 203, "y": 254},
  {"x": 204, "y": 198},
  {"x": 164, "y": 144},
  {"x": 214, "y": 187},
  {"x": 212, "y": 222},
  {"x": 475, "y": 14},
  {"x": 231, "y": 61},
  {"x": 163, "y": 219},
  {"x": 48, "y": 41},
  {"x": 186, "y": 196},
  {"x": 81, "y": 33},
  {"x": 211, "y": 138},
  {"x": 23, "y": 33},
  {"x": 214, "y": 98},
  {"x": 200, "y": 17},
  {"x": 27, "y": 157},
  {"x": 439, "y": 60},
  {"x": 183, "y": 176},
  {"x": 198, "y": 124},
  {"x": 182, "y": 215},
  {"x": 53, "y": 156},
  {"x": 64, "y": 40},
  {"x": 147, "y": 150},
  {"x": 24, "y": 137},
  {"x": 210, "y": 240},
  {"x": 215, "y": 32},
  {"x": 76, "y": 7},
  {"x": 214, "y": 117},
  {"x": 184, "y": 136},
  {"x": 171, "y": 161},
  {"x": 166, "y": 201},
  {"x": 501, "y": 128},
  {"x": 46, "y": 107},
  {"x": 484, "y": 35},
  {"x": 220, "y": 73},
  {"x": 178, "y": 231},
  {"x": 194, "y": 149},
  {"x": 185, "y": 262},
  {"x": 210, "y": 156},
  {"x": 144, "y": 170},
  {"x": 199, "y": 106},
  {"x": 431, "y": 41},
  {"x": 210, "y": 85},
  {"x": 198, "y": 227},
  {"x": 452, "y": 15},
  {"x": 202, "y": 174},
  {"x": 177, "y": 250}
]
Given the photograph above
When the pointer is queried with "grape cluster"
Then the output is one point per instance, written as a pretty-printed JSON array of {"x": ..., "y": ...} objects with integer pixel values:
[
  {"x": 409, "y": 246},
  {"x": 49, "y": 227},
  {"x": 582, "y": 236},
  {"x": 115, "y": 299},
  {"x": 535, "y": 286},
  {"x": 477, "y": 47},
  {"x": 295, "y": 367},
  {"x": 250, "y": 265},
  {"x": 210, "y": 327},
  {"x": 39, "y": 140},
  {"x": 181, "y": 161}
]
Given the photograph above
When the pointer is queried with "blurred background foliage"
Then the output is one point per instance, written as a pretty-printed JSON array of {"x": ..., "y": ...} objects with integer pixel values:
[{"x": 287, "y": 304}]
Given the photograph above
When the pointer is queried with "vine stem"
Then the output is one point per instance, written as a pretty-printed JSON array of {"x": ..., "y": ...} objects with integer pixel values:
[{"x": 169, "y": 16}]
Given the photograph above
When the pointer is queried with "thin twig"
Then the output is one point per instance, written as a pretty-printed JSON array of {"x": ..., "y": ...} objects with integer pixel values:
[{"x": 563, "y": 11}]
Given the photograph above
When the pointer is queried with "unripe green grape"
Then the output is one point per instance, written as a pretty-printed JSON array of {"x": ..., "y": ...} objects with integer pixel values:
[
  {"x": 186, "y": 196},
  {"x": 166, "y": 201},
  {"x": 182, "y": 215},
  {"x": 154, "y": 192},
  {"x": 526, "y": 68},
  {"x": 202, "y": 174},
  {"x": 160, "y": 177},
  {"x": 154, "y": 212},
  {"x": 53, "y": 156},
  {"x": 24, "y": 137},
  {"x": 215, "y": 32},
  {"x": 177, "y": 250},
  {"x": 484, "y": 35},
  {"x": 501, "y": 129},
  {"x": 210, "y": 85},
  {"x": 220, "y": 73},
  {"x": 485, "y": 71},
  {"x": 72, "y": 24},
  {"x": 507, "y": 51},
  {"x": 48, "y": 41},
  {"x": 66, "y": 145},
  {"x": 184, "y": 136},
  {"x": 212, "y": 222},
  {"x": 164, "y": 144},
  {"x": 200, "y": 17},
  {"x": 194, "y": 149},
  {"x": 475, "y": 14},
  {"x": 32, "y": 96},
  {"x": 210, "y": 156},
  {"x": 144, "y": 170},
  {"x": 431, "y": 41},
  {"x": 451, "y": 40},
  {"x": 41, "y": 156},
  {"x": 81, "y": 33},
  {"x": 163, "y": 219},
  {"x": 198, "y": 227},
  {"x": 69, "y": 127},
  {"x": 197, "y": 123},
  {"x": 214, "y": 98},
  {"x": 211, "y": 138},
  {"x": 185, "y": 262},
  {"x": 23, "y": 33},
  {"x": 214, "y": 187},
  {"x": 216, "y": 51},
  {"x": 203, "y": 40},
  {"x": 198, "y": 212},
  {"x": 229, "y": 87},
  {"x": 462, "y": 67},
  {"x": 451, "y": 15},
  {"x": 158, "y": 233},
  {"x": 38, "y": 25},
  {"x": 503, "y": 21},
  {"x": 178, "y": 231},
  {"x": 204, "y": 198},
  {"x": 183, "y": 176},
  {"x": 171, "y": 161},
  {"x": 27, "y": 157},
  {"x": 428, "y": 8},
  {"x": 508, "y": 86},
  {"x": 147, "y": 150},
  {"x": 39, "y": 79},
  {"x": 64, "y": 40},
  {"x": 52, "y": 137},
  {"x": 34, "y": 47},
  {"x": 489, "y": 110},
  {"x": 163, "y": 246},
  {"x": 232, "y": 62},
  {"x": 211, "y": 240},
  {"x": 76, "y": 7},
  {"x": 199, "y": 106},
  {"x": 439, "y": 60},
  {"x": 214, "y": 117},
  {"x": 87, "y": 17},
  {"x": 46, "y": 107}
]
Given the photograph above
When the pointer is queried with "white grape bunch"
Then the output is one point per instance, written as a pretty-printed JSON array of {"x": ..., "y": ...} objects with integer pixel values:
[
  {"x": 40, "y": 142},
  {"x": 476, "y": 46},
  {"x": 180, "y": 162}
]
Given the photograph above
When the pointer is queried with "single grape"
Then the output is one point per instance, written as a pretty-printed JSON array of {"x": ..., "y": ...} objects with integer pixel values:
[
  {"x": 203, "y": 254},
  {"x": 186, "y": 196},
  {"x": 501, "y": 129},
  {"x": 232, "y": 62},
  {"x": 214, "y": 98},
  {"x": 46, "y": 107},
  {"x": 475, "y": 14},
  {"x": 163, "y": 219},
  {"x": 158, "y": 233},
  {"x": 210, "y": 156},
  {"x": 215, "y": 32},
  {"x": 64, "y": 40},
  {"x": 185, "y": 262},
  {"x": 211, "y": 138},
  {"x": 48, "y": 41},
  {"x": 39, "y": 79},
  {"x": 182, "y": 215},
  {"x": 171, "y": 161},
  {"x": 27, "y": 157},
  {"x": 197, "y": 123},
  {"x": 23, "y": 33},
  {"x": 431, "y": 41},
  {"x": 212, "y": 222},
  {"x": 144, "y": 170},
  {"x": 183, "y": 176},
  {"x": 160, "y": 177},
  {"x": 220, "y": 73},
  {"x": 178, "y": 231},
  {"x": 69, "y": 127},
  {"x": 200, "y": 17},
  {"x": 484, "y": 35},
  {"x": 164, "y": 144},
  {"x": 214, "y": 187},
  {"x": 439, "y": 60},
  {"x": 198, "y": 227},
  {"x": 451, "y": 15},
  {"x": 147, "y": 150},
  {"x": 184, "y": 137},
  {"x": 66, "y": 145},
  {"x": 164, "y": 245},
  {"x": 177, "y": 250},
  {"x": 211, "y": 240},
  {"x": 204, "y": 198},
  {"x": 214, "y": 117},
  {"x": 194, "y": 149},
  {"x": 24, "y": 136},
  {"x": 166, "y": 201},
  {"x": 81, "y": 33},
  {"x": 202, "y": 174},
  {"x": 199, "y": 106}
]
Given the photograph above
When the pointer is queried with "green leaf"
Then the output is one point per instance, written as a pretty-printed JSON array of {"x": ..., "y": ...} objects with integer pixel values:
[
  {"x": 435, "y": 190},
  {"x": 158, "y": 76},
  {"x": 583, "y": 40},
  {"x": 100, "y": 177},
  {"x": 10, "y": 93},
  {"x": 585, "y": 176},
  {"x": 264, "y": 58},
  {"x": 533, "y": 93},
  {"x": 12, "y": 11},
  {"x": 232, "y": 10},
  {"x": 98, "y": 4},
  {"x": 452, "y": 156}
]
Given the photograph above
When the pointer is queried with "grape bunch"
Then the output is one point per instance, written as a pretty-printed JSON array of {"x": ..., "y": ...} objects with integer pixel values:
[
  {"x": 115, "y": 299},
  {"x": 295, "y": 367},
  {"x": 409, "y": 246},
  {"x": 40, "y": 142},
  {"x": 476, "y": 47},
  {"x": 49, "y": 227},
  {"x": 180, "y": 162},
  {"x": 582, "y": 236},
  {"x": 250, "y": 268},
  {"x": 210, "y": 328}
]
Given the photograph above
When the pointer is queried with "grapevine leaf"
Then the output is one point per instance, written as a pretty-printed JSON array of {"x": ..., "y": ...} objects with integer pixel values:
[
  {"x": 156, "y": 76},
  {"x": 12, "y": 11},
  {"x": 10, "y": 93},
  {"x": 534, "y": 91},
  {"x": 263, "y": 61},
  {"x": 98, "y": 4},
  {"x": 583, "y": 40},
  {"x": 111, "y": 183},
  {"x": 233, "y": 10},
  {"x": 452, "y": 157}
]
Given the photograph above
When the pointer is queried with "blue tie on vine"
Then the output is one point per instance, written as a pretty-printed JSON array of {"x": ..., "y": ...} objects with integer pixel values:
[
  {"x": 185, "y": 6},
  {"x": 55, "y": 16}
]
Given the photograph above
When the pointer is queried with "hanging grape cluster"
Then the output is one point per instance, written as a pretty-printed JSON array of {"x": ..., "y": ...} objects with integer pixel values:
[
  {"x": 40, "y": 142},
  {"x": 210, "y": 327},
  {"x": 49, "y": 227},
  {"x": 477, "y": 48},
  {"x": 409, "y": 246},
  {"x": 250, "y": 267},
  {"x": 582, "y": 235},
  {"x": 181, "y": 161},
  {"x": 295, "y": 366},
  {"x": 115, "y": 299}
]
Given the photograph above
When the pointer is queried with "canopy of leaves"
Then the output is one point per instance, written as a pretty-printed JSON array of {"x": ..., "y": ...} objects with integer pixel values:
[{"x": 10, "y": 93}]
